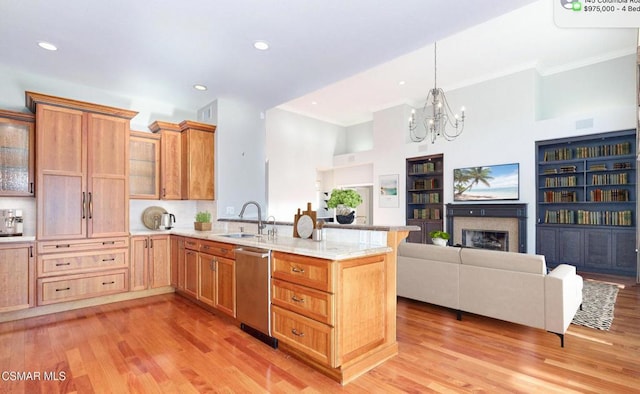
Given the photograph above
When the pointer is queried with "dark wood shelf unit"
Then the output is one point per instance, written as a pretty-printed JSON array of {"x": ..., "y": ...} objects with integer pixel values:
[
  {"x": 586, "y": 202},
  {"x": 424, "y": 202}
]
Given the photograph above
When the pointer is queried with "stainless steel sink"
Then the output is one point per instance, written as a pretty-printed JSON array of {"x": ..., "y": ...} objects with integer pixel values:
[{"x": 239, "y": 235}]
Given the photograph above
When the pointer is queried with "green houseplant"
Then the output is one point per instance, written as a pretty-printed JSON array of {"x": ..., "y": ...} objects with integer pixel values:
[
  {"x": 343, "y": 200},
  {"x": 439, "y": 237},
  {"x": 203, "y": 221}
]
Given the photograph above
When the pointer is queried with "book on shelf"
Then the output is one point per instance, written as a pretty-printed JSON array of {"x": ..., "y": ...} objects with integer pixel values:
[
  {"x": 597, "y": 167},
  {"x": 584, "y": 217},
  {"x": 568, "y": 169}
]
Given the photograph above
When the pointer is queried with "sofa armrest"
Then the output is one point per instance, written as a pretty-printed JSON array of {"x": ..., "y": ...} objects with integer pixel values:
[{"x": 562, "y": 298}]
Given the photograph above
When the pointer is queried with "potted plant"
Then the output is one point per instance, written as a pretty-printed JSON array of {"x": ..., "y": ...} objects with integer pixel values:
[
  {"x": 203, "y": 221},
  {"x": 439, "y": 238},
  {"x": 343, "y": 200}
]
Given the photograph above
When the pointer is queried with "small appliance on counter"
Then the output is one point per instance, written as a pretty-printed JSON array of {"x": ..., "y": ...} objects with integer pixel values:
[
  {"x": 10, "y": 222},
  {"x": 166, "y": 220}
]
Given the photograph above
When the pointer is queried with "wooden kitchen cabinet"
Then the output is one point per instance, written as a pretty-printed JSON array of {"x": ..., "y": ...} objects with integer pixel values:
[
  {"x": 69, "y": 270},
  {"x": 17, "y": 157},
  {"x": 218, "y": 276},
  {"x": 197, "y": 180},
  {"x": 144, "y": 165},
  {"x": 150, "y": 264},
  {"x": 17, "y": 268},
  {"x": 331, "y": 312},
  {"x": 226, "y": 286},
  {"x": 176, "y": 249},
  {"x": 191, "y": 269},
  {"x": 170, "y": 159},
  {"x": 82, "y": 168},
  {"x": 207, "y": 279}
]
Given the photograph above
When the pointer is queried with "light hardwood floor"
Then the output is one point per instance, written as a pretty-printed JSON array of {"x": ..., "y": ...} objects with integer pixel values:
[{"x": 167, "y": 344}]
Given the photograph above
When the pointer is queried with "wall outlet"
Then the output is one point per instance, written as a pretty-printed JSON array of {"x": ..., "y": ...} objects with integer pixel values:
[{"x": 231, "y": 210}]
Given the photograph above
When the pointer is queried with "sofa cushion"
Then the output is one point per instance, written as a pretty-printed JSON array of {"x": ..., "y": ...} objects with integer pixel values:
[
  {"x": 511, "y": 261},
  {"x": 430, "y": 252}
]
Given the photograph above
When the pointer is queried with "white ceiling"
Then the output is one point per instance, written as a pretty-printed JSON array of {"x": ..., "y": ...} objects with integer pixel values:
[{"x": 347, "y": 56}]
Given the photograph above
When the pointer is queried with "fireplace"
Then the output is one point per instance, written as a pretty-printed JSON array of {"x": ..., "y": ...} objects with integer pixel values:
[
  {"x": 486, "y": 239},
  {"x": 509, "y": 219}
]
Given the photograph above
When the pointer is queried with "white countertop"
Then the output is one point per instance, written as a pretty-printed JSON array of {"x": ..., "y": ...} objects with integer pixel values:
[
  {"x": 324, "y": 249},
  {"x": 17, "y": 239}
]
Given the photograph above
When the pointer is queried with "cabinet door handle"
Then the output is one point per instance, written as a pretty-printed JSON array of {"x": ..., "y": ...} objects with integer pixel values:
[
  {"x": 64, "y": 289},
  {"x": 146, "y": 245},
  {"x": 296, "y": 333},
  {"x": 84, "y": 205},
  {"x": 30, "y": 187},
  {"x": 296, "y": 299},
  {"x": 164, "y": 192},
  {"x": 108, "y": 283},
  {"x": 90, "y": 205},
  {"x": 151, "y": 243},
  {"x": 61, "y": 264},
  {"x": 297, "y": 270},
  {"x": 30, "y": 251}
]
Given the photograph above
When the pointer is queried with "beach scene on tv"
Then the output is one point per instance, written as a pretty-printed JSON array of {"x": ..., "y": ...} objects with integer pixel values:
[{"x": 498, "y": 182}]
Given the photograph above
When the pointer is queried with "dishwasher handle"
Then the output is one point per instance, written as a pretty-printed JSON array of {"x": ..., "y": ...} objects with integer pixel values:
[{"x": 259, "y": 253}]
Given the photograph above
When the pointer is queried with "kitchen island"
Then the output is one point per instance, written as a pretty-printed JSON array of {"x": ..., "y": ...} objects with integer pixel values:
[{"x": 333, "y": 303}]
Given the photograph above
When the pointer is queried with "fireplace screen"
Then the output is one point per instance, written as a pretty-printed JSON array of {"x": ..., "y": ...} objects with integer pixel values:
[{"x": 494, "y": 240}]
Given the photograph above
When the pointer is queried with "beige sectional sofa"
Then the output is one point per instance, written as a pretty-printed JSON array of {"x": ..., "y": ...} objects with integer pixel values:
[{"x": 514, "y": 287}]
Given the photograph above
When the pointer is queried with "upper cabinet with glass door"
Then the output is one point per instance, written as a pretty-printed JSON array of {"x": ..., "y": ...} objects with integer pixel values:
[
  {"x": 16, "y": 153},
  {"x": 144, "y": 165}
]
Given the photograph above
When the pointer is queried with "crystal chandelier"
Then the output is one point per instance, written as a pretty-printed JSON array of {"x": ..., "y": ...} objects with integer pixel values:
[{"x": 436, "y": 114}]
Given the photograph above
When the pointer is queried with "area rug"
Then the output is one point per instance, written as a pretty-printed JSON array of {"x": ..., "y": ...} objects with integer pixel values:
[{"x": 598, "y": 300}]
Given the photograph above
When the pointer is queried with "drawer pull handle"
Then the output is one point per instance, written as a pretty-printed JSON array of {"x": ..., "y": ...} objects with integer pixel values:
[
  {"x": 296, "y": 299},
  {"x": 298, "y": 270},
  {"x": 61, "y": 264},
  {"x": 296, "y": 333},
  {"x": 111, "y": 259},
  {"x": 64, "y": 289},
  {"x": 63, "y": 246},
  {"x": 108, "y": 283},
  {"x": 109, "y": 243}
]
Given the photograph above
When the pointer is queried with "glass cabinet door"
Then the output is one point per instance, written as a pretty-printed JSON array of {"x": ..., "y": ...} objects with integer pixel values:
[
  {"x": 16, "y": 153},
  {"x": 144, "y": 165}
]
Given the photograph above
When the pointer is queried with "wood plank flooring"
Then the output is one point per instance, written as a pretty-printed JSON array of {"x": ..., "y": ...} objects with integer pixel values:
[{"x": 166, "y": 344}]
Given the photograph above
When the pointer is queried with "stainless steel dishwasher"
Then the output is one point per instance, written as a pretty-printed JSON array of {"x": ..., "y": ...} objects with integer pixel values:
[{"x": 253, "y": 293}]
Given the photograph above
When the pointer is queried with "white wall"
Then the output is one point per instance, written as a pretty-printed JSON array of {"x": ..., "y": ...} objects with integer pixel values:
[
  {"x": 297, "y": 148},
  {"x": 240, "y": 173}
]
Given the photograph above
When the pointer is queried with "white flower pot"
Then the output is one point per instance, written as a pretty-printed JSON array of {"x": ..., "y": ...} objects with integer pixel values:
[{"x": 439, "y": 241}]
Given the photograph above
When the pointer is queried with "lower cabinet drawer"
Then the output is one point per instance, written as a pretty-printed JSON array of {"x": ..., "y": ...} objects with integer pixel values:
[
  {"x": 76, "y": 287},
  {"x": 313, "y": 338},
  {"x": 315, "y": 304},
  {"x": 71, "y": 263}
]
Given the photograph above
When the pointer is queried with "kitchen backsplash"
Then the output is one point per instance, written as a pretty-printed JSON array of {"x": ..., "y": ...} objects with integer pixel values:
[{"x": 28, "y": 206}]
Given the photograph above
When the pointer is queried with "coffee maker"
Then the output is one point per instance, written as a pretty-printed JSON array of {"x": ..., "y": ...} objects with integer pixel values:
[{"x": 10, "y": 222}]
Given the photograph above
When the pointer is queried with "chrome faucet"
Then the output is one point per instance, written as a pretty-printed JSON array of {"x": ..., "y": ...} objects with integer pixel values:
[
  {"x": 274, "y": 231},
  {"x": 260, "y": 224}
]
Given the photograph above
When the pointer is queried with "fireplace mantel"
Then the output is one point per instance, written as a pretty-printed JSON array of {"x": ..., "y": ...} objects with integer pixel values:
[{"x": 515, "y": 211}]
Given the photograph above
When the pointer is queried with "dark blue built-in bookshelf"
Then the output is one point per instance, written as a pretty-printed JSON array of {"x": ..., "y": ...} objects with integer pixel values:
[{"x": 586, "y": 202}]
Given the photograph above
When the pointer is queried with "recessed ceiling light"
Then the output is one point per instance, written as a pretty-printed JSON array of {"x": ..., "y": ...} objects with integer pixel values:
[
  {"x": 401, "y": 83},
  {"x": 47, "y": 45},
  {"x": 199, "y": 87},
  {"x": 261, "y": 45},
  {"x": 314, "y": 103}
]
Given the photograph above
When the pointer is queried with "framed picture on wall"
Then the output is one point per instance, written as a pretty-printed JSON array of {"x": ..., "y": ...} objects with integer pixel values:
[
  {"x": 389, "y": 191},
  {"x": 486, "y": 183}
]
